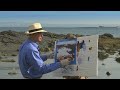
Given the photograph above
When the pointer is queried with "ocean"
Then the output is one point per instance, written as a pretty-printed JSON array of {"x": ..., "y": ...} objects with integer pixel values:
[{"x": 75, "y": 30}]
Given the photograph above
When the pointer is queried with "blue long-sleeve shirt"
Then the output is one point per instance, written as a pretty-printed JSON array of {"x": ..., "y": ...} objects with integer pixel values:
[{"x": 31, "y": 63}]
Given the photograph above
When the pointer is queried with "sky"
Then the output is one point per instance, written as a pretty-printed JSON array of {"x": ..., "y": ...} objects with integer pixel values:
[{"x": 60, "y": 18}]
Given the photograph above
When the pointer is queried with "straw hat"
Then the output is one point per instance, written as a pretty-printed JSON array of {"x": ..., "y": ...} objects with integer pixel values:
[{"x": 35, "y": 28}]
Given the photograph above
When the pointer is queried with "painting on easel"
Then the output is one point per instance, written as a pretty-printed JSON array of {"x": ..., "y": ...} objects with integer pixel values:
[{"x": 85, "y": 56}]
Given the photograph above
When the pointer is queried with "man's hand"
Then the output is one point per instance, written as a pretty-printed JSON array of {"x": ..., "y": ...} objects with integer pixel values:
[
  {"x": 61, "y": 58},
  {"x": 65, "y": 62},
  {"x": 70, "y": 57}
]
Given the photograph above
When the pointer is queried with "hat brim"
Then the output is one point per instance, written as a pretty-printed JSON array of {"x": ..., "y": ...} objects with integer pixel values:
[{"x": 27, "y": 32}]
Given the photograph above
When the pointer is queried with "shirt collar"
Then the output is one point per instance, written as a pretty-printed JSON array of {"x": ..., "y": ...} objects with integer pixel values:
[{"x": 34, "y": 43}]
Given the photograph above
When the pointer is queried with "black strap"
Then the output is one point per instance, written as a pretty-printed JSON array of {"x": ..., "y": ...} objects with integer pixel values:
[{"x": 35, "y": 30}]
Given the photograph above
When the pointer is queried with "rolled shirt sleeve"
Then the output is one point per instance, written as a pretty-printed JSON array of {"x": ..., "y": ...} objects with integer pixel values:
[{"x": 37, "y": 66}]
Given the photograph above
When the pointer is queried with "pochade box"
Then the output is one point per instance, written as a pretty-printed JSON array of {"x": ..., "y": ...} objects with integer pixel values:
[{"x": 84, "y": 51}]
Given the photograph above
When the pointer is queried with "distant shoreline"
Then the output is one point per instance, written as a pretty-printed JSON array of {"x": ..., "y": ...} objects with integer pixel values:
[{"x": 115, "y": 31}]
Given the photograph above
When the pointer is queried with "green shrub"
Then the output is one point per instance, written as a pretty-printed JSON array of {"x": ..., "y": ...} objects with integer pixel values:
[{"x": 102, "y": 55}]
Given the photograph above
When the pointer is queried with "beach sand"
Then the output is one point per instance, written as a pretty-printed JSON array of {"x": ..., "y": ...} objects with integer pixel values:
[{"x": 10, "y": 70}]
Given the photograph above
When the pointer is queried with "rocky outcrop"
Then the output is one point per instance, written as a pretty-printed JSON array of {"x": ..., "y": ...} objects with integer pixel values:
[
  {"x": 108, "y": 43},
  {"x": 117, "y": 59},
  {"x": 12, "y": 37},
  {"x": 106, "y": 35},
  {"x": 108, "y": 73},
  {"x": 10, "y": 42},
  {"x": 102, "y": 55}
]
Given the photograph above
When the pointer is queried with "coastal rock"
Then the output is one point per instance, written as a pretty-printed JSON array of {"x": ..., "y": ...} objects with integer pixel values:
[
  {"x": 103, "y": 64},
  {"x": 12, "y": 37},
  {"x": 108, "y": 73},
  {"x": 117, "y": 59},
  {"x": 119, "y": 52},
  {"x": 110, "y": 45},
  {"x": 78, "y": 35},
  {"x": 106, "y": 35},
  {"x": 9, "y": 32},
  {"x": 70, "y": 36},
  {"x": 47, "y": 49},
  {"x": 10, "y": 41},
  {"x": 102, "y": 55},
  {"x": 8, "y": 60},
  {"x": 0, "y": 57},
  {"x": 13, "y": 72}
]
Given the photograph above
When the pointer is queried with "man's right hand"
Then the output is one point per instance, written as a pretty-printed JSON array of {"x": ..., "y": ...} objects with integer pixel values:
[
  {"x": 65, "y": 62},
  {"x": 70, "y": 57}
]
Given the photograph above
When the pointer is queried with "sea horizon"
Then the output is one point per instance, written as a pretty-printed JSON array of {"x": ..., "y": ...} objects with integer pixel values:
[{"x": 115, "y": 31}]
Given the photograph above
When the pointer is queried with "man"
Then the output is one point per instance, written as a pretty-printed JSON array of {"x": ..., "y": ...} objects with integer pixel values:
[{"x": 31, "y": 63}]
